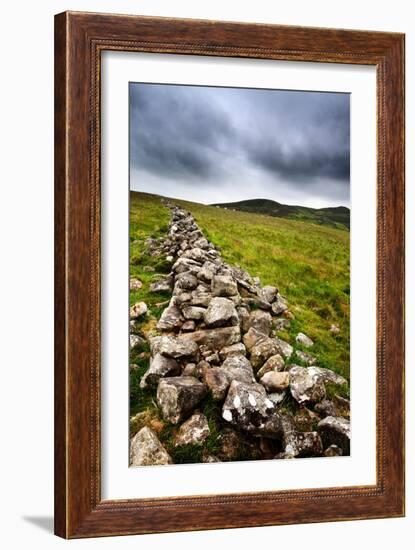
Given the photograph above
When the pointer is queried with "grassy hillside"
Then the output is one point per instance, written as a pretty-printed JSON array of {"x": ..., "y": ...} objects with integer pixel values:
[
  {"x": 335, "y": 216},
  {"x": 309, "y": 263}
]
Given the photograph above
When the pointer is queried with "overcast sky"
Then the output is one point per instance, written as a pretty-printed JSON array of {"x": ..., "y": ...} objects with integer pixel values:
[{"x": 209, "y": 145}]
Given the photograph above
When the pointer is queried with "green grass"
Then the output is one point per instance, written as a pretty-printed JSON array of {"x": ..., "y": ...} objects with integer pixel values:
[{"x": 309, "y": 263}]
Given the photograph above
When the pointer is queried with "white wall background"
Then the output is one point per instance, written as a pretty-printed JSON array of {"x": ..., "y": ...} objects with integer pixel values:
[{"x": 26, "y": 299}]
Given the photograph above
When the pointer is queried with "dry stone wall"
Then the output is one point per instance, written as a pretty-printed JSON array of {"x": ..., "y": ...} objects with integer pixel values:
[{"x": 217, "y": 338}]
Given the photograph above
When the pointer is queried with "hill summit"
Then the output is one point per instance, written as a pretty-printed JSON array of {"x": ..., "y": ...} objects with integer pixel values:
[{"x": 336, "y": 216}]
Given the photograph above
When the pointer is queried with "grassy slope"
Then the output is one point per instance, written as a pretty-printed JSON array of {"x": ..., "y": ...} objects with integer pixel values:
[
  {"x": 338, "y": 217},
  {"x": 309, "y": 264}
]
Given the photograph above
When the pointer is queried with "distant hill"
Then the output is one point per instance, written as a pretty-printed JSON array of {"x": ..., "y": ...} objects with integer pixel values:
[{"x": 337, "y": 216}]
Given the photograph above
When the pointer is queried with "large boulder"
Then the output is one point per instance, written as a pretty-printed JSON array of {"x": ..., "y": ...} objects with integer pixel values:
[
  {"x": 248, "y": 408},
  {"x": 335, "y": 431},
  {"x": 146, "y": 449},
  {"x": 306, "y": 386},
  {"x": 176, "y": 347},
  {"x": 160, "y": 366},
  {"x": 179, "y": 396},
  {"x": 224, "y": 285},
  {"x": 214, "y": 339},
  {"x": 220, "y": 312},
  {"x": 194, "y": 431}
]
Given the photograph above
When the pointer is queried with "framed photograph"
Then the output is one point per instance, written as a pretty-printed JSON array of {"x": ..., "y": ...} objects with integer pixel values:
[{"x": 229, "y": 275}]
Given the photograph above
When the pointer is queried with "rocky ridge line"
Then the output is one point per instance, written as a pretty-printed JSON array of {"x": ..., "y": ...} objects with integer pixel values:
[{"x": 216, "y": 337}]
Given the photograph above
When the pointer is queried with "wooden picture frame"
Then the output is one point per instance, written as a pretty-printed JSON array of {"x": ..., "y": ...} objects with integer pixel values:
[{"x": 79, "y": 40}]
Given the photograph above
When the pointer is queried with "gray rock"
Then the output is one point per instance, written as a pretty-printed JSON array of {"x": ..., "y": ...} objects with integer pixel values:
[
  {"x": 328, "y": 376},
  {"x": 164, "y": 285},
  {"x": 146, "y": 449},
  {"x": 277, "y": 397},
  {"x": 210, "y": 459},
  {"x": 201, "y": 243},
  {"x": 217, "y": 380},
  {"x": 279, "y": 305},
  {"x": 171, "y": 319},
  {"x": 207, "y": 271},
  {"x": 160, "y": 366},
  {"x": 216, "y": 338},
  {"x": 182, "y": 298},
  {"x": 299, "y": 444},
  {"x": 194, "y": 431},
  {"x": 285, "y": 348},
  {"x": 282, "y": 324},
  {"x": 333, "y": 450},
  {"x": 200, "y": 297},
  {"x": 178, "y": 397},
  {"x": 220, "y": 312},
  {"x": 135, "y": 284},
  {"x": 136, "y": 341},
  {"x": 176, "y": 347},
  {"x": 306, "y": 357},
  {"x": 186, "y": 281},
  {"x": 274, "y": 363},
  {"x": 185, "y": 264},
  {"x": 234, "y": 349},
  {"x": 190, "y": 370},
  {"x": 238, "y": 367},
  {"x": 248, "y": 408},
  {"x": 213, "y": 358},
  {"x": 196, "y": 254},
  {"x": 188, "y": 326},
  {"x": 335, "y": 431},
  {"x": 304, "y": 340},
  {"x": 274, "y": 381},
  {"x": 260, "y": 321},
  {"x": 306, "y": 386},
  {"x": 193, "y": 312},
  {"x": 334, "y": 329},
  {"x": 138, "y": 310},
  {"x": 326, "y": 408},
  {"x": 252, "y": 338},
  {"x": 263, "y": 351},
  {"x": 224, "y": 285},
  {"x": 268, "y": 293}
]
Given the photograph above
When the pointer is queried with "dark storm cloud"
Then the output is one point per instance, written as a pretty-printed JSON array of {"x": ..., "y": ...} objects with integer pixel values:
[{"x": 241, "y": 142}]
